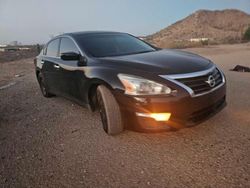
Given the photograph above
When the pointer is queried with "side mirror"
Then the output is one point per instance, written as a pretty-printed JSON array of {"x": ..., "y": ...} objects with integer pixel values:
[
  {"x": 72, "y": 56},
  {"x": 82, "y": 61}
]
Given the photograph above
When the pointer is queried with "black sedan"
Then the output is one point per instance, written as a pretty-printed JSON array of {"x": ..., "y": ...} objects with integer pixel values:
[{"x": 132, "y": 83}]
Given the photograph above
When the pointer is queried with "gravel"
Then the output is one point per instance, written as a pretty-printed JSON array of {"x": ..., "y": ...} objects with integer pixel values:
[{"x": 56, "y": 143}]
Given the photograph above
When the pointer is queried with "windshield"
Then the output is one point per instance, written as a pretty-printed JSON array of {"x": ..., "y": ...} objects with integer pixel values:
[{"x": 106, "y": 45}]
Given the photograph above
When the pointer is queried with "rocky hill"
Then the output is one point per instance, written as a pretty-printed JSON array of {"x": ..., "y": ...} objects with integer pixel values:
[{"x": 217, "y": 26}]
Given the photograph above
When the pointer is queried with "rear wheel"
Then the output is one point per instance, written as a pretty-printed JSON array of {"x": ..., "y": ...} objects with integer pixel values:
[
  {"x": 109, "y": 111},
  {"x": 43, "y": 87}
]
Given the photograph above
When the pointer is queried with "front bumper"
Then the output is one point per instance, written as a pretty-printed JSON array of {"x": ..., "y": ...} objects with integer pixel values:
[{"x": 185, "y": 110}]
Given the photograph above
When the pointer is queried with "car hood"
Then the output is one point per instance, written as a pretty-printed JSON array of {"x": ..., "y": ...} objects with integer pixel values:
[{"x": 161, "y": 62}]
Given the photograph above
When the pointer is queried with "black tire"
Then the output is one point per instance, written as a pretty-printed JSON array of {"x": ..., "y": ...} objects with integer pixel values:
[
  {"x": 109, "y": 111},
  {"x": 43, "y": 87}
]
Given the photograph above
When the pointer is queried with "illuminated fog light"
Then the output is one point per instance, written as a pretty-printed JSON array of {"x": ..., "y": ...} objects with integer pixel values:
[{"x": 156, "y": 116}]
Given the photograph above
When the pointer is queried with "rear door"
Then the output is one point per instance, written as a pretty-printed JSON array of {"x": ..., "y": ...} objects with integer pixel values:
[{"x": 50, "y": 68}]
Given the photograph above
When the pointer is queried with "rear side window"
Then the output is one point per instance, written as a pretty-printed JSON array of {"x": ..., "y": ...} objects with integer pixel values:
[
  {"x": 52, "y": 48},
  {"x": 44, "y": 50},
  {"x": 67, "y": 45}
]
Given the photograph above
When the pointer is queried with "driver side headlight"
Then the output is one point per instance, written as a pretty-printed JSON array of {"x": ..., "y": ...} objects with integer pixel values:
[{"x": 139, "y": 86}]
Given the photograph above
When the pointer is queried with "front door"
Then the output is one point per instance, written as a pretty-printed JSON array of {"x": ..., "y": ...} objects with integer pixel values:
[{"x": 72, "y": 76}]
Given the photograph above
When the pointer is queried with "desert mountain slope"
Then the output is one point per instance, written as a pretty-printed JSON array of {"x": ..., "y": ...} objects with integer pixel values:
[{"x": 218, "y": 26}]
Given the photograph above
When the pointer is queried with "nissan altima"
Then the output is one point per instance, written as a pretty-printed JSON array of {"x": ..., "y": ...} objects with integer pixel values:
[{"x": 133, "y": 84}]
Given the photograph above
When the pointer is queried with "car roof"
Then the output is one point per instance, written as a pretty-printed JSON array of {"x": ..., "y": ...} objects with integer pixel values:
[{"x": 81, "y": 33}]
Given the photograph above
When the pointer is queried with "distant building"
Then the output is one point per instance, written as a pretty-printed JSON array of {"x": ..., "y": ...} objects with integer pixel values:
[
  {"x": 8, "y": 48},
  {"x": 142, "y": 37},
  {"x": 13, "y": 43},
  {"x": 11, "y": 49},
  {"x": 199, "y": 39},
  {"x": 24, "y": 48}
]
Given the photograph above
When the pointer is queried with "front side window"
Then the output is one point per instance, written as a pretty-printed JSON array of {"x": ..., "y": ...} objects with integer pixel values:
[
  {"x": 104, "y": 45},
  {"x": 52, "y": 48},
  {"x": 67, "y": 45}
]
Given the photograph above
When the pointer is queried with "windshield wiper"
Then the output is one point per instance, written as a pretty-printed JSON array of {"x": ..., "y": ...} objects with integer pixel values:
[
  {"x": 132, "y": 53},
  {"x": 146, "y": 51}
]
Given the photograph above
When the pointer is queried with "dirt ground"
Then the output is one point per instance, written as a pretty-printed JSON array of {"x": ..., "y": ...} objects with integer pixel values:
[
  {"x": 55, "y": 143},
  {"x": 17, "y": 55}
]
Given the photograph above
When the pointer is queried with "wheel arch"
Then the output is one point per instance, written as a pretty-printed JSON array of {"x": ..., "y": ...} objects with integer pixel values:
[
  {"x": 91, "y": 93},
  {"x": 38, "y": 71}
]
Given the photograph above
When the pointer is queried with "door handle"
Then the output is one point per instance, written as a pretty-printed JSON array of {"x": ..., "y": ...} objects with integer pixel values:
[
  {"x": 57, "y": 66},
  {"x": 42, "y": 62}
]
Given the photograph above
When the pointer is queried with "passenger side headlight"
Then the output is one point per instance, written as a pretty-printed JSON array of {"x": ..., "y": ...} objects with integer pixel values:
[{"x": 139, "y": 86}]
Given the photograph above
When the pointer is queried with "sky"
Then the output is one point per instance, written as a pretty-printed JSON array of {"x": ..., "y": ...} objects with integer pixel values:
[{"x": 35, "y": 21}]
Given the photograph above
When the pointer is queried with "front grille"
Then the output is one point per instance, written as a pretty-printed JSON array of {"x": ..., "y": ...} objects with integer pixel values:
[
  {"x": 199, "y": 84},
  {"x": 204, "y": 113}
]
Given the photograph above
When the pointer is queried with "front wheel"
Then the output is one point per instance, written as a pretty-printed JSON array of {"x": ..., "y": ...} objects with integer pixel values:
[{"x": 109, "y": 111}]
